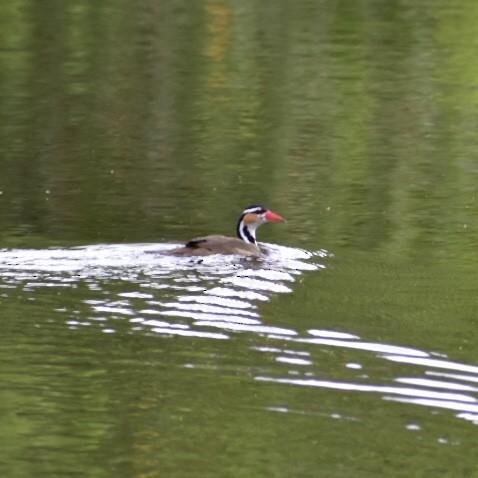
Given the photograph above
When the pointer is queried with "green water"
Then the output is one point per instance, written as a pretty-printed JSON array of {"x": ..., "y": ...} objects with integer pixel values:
[{"x": 153, "y": 122}]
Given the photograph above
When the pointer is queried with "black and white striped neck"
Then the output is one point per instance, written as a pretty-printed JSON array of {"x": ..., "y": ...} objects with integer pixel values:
[{"x": 246, "y": 233}]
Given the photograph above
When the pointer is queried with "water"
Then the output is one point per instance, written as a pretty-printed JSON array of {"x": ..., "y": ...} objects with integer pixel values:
[
  {"x": 118, "y": 357},
  {"x": 348, "y": 349}
]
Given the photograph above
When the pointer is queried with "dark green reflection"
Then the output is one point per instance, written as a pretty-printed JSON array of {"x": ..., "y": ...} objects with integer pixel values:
[{"x": 144, "y": 122}]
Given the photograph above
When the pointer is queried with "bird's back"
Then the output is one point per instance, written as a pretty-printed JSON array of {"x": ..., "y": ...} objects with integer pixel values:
[{"x": 216, "y": 244}]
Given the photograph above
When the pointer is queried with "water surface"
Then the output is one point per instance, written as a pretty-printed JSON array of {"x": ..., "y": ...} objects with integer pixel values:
[{"x": 349, "y": 349}]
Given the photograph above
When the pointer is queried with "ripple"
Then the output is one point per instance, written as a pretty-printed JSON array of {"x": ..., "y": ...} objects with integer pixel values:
[
  {"x": 244, "y": 327},
  {"x": 218, "y": 301},
  {"x": 423, "y": 382},
  {"x": 362, "y": 345},
  {"x": 126, "y": 288},
  {"x": 444, "y": 397},
  {"x": 435, "y": 393},
  {"x": 434, "y": 363},
  {"x": 189, "y": 333}
]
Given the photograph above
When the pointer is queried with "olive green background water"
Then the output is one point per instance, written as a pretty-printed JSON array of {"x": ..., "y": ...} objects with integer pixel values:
[{"x": 155, "y": 121}]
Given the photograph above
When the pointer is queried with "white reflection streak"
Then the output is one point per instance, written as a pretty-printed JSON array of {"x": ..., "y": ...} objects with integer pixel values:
[
  {"x": 294, "y": 361},
  {"x": 433, "y": 363},
  {"x": 135, "y": 295},
  {"x": 450, "y": 405},
  {"x": 217, "y": 301},
  {"x": 189, "y": 333},
  {"x": 469, "y": 416},
  {"x": 256, "y": 284},
  {"x": 268, "y": 274},
  {"x": 453, "y": 376},
  {"x": 112, "y": 310},
  {"x": 226, "y": 292},
  {"x": 160, "y": 324},
  {"x": 240, "y": 327},
  {"x": 353, "y": 387},
  {"x": 423, "y": 382},
  {"x": 298, "y": 266},
  {"x": 215, "y": 318},
  {"x": 332, "y": 334},
  {"x": 206, "y": 309},
  {"x": 368, "y": 346}
]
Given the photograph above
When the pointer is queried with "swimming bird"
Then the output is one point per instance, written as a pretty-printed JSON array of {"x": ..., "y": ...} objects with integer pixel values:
[{"x": 244, "y": 244}]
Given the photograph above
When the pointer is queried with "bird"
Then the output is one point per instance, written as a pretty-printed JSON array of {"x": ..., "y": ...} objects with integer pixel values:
[{"x": 244, "y": 244}]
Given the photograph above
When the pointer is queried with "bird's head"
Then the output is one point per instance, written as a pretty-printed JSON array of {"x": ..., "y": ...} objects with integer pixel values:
[{"x": 251, "y": 218}]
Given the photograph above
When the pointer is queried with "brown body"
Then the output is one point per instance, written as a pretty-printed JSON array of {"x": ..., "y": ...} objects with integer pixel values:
[
  {"x": 245, "y": 242},
  {"x": 208, "y": 245}
]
